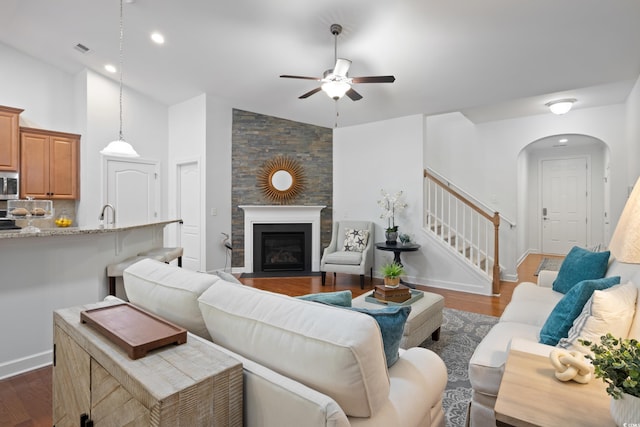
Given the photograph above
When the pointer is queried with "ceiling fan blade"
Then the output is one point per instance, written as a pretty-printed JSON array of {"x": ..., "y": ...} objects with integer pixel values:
[
  {"x": 374, "y": 79},
  {"x": 355, "y": 96},
  {"x": 342, "y": 67},
  {"x": 311, "y": 92},
  {"x": 287, "y": 76}
]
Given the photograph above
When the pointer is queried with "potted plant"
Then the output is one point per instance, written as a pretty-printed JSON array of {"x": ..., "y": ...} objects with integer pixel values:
[
  {"x": 391, "y": 273},
  {"x": 390, "y": 206},
  {"x": 617, "y": 362}
]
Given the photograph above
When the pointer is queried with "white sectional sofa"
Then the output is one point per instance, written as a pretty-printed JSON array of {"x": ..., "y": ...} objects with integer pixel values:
[
  {"x": 519, "y": 328},
  {"x": 305, "y": 364}
]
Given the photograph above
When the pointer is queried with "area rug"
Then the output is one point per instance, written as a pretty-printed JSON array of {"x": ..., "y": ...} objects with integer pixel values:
[
  {"x": 551, "y": 264},
  {"x": 460, "y": 334}
]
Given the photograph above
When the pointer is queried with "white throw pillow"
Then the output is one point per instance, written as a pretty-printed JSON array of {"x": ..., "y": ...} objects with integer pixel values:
[
  {"x": 355, "y": 240},
  {"x": 608, "y": 311}
]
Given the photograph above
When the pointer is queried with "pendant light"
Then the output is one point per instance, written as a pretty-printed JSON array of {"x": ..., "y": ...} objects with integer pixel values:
[{"x": 120, "y": 147}]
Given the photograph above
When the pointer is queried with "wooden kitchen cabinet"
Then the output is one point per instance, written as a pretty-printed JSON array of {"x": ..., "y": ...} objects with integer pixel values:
[
  {"x": 49, "y": 167},
  {"x": 190, "y": 384},
  {"x": 9, "y": 138}
]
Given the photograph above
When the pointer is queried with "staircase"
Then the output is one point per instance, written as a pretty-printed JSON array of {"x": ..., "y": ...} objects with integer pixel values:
[{"x": 463, "y": 227}]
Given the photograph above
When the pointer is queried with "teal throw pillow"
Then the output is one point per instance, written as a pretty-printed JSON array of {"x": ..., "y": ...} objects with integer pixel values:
[
  {"x": 569, "y": 307},
  {"x": 580, "y": 264},
  {"x": 391, "y": 321},
  {"x": 339, "y": 298}
]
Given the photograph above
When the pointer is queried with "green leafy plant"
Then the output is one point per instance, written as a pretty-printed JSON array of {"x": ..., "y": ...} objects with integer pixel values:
[
  {"x": 617, "y": 362},
  {"x": 392, "y": 269}
]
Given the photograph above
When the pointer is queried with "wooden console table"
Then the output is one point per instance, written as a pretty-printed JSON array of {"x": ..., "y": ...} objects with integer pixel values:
[
  {"x": 190, "y": 384},
  {"x": 530, "y": 395}
]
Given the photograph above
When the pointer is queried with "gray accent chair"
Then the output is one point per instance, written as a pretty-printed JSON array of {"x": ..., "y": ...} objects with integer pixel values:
[{"x": 337, "y": 260}]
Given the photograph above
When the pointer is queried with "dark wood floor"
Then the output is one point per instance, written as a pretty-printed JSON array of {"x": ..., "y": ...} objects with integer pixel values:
[{"x": 25, "y": 400}]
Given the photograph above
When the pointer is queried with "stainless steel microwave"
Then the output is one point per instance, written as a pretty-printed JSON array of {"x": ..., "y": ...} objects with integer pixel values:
[{"x": 9, "y": 185}]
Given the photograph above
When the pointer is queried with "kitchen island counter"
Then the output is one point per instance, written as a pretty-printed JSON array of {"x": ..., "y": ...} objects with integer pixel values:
[
  {"x": 71, "y": 231},
  {"x": 58, "y": 268}
]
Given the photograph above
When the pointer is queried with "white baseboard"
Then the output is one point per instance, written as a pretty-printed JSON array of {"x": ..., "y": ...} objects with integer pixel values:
[{"x": 25, "y": 364}]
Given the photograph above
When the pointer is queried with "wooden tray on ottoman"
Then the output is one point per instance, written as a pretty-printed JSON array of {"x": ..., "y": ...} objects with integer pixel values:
[{"x": 133, "y": 329}]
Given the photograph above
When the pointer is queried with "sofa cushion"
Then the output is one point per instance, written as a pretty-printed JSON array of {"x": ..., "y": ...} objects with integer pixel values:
[
  {"x": 339, "y": 298},
  {"x": 355, "y": 240},
  {"x": 486, "y": 365},
  {"x": 569, "y": 307},
  {"x": 580, "y": 264},
  {"x": 334, "y": 351},
  {"x": 391, "y": 321},
  {"x": 169, "y": 291},
  {"x": 610, "y": 310},
  {"x": 530, "y": 304},
  {"x": 344, "y": 258}
]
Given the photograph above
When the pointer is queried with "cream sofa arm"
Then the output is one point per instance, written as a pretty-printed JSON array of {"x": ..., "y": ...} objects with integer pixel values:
[
  {"x": 273, "y": 400},
  {"x": 546, "y": 278}
]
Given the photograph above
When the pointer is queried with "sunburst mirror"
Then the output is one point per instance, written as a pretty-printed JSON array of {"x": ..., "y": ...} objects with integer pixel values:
[{"x": 281, "y": 179}]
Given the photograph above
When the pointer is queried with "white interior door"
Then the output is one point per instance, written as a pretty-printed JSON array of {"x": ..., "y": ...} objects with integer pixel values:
[
  {"x": 133, "y": 189},
  {"x": 189, "y": 210},
  {"x": 564, "y": 204}
]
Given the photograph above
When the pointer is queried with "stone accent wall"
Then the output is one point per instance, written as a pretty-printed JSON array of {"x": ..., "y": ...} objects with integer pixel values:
[{"x": 257, "y": 138}]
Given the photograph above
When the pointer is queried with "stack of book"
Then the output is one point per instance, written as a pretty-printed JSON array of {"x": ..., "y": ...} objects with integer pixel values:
[{"x": 399, "y": 294}]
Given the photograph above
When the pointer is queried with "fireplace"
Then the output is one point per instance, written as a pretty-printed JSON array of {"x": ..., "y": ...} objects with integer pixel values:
[
  {"x": 281, "y": 214},
  {"x": 281, "y": 247}
]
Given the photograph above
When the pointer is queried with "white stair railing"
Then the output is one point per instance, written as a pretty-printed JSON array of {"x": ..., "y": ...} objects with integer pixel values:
[{"x": 469, "y": 230}]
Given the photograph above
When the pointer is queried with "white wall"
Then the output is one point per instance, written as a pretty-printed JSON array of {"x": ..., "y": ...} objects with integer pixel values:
[
  {"x": 200, "y": 129},
  {"x": 144, "y": 127},
  {"x": 218, "y": 191},
  {"x": 483, "y": 159},
  {"x": 43, "y": 91},
  {"x": 187, "y": 143},
  {"x": 389, "y": 155},
  {"x": 633, "y": 134}
]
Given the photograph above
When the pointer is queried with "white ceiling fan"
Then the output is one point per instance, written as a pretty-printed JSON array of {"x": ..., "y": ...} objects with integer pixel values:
[{"x": 335, "y": 82}]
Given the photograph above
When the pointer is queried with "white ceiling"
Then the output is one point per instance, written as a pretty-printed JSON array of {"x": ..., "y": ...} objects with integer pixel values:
[{"x": 490, "y": 59}]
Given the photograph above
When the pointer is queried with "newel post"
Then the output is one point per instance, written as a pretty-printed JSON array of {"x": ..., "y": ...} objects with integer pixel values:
[{"x": 496, "y": 255}]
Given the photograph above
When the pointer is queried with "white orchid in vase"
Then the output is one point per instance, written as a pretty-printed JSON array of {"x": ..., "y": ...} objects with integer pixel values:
[{"x": 391, "y": 205}]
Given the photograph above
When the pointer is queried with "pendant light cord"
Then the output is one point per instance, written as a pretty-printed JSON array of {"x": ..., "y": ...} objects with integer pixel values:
[{"x": 121, "y": 136}]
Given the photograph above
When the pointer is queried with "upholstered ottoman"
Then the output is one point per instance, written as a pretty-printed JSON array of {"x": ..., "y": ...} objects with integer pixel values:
[{"x": 425, "y": 318}]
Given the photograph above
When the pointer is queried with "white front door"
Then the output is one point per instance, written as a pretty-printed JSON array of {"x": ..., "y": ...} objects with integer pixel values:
[
  {"x": 133, "y": 190},
  {"x": 188, "y": 209},
  {"x": 564, "y": 204}
]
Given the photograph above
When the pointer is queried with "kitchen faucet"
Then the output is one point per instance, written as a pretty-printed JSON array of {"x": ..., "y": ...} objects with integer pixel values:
[{"x": 108, "y": 205}]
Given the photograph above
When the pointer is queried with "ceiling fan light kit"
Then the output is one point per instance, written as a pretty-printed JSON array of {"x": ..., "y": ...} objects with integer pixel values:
[{"x": 335, "y": 82}]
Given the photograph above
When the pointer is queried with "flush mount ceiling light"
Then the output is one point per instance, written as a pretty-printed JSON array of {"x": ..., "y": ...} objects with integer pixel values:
[
  {"x": 157, "y": 38},
  {"x": 120, "y": 147},
  {"x": 561, "y": 106}
]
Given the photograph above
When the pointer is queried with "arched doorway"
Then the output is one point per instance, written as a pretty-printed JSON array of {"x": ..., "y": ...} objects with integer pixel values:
[{"x": 563, "y": 182}]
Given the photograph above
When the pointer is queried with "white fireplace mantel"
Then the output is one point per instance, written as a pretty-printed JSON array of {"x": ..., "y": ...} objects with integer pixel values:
[{"x": 279, "y": 214}]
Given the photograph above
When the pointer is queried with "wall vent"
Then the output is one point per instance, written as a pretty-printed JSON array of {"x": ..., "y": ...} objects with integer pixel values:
[{"x": 81, "y": 48}]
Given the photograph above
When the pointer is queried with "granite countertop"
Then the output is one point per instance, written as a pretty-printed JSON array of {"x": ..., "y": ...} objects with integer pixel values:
[{"x": 71, "y": 231}]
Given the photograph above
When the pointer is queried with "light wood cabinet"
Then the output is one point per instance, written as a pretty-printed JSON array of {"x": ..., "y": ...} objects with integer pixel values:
[
  {"x": 49, "y": 167},
  {"x": 9, "y": 138},
  {"x": 191, "y": 384}
]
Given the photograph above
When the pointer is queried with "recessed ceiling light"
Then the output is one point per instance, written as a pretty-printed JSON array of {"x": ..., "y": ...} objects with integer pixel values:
[
  {"x": 158, "y": 38},
  {"x": 110, "y": 68},
  {"x": 563, "y": 141}
]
